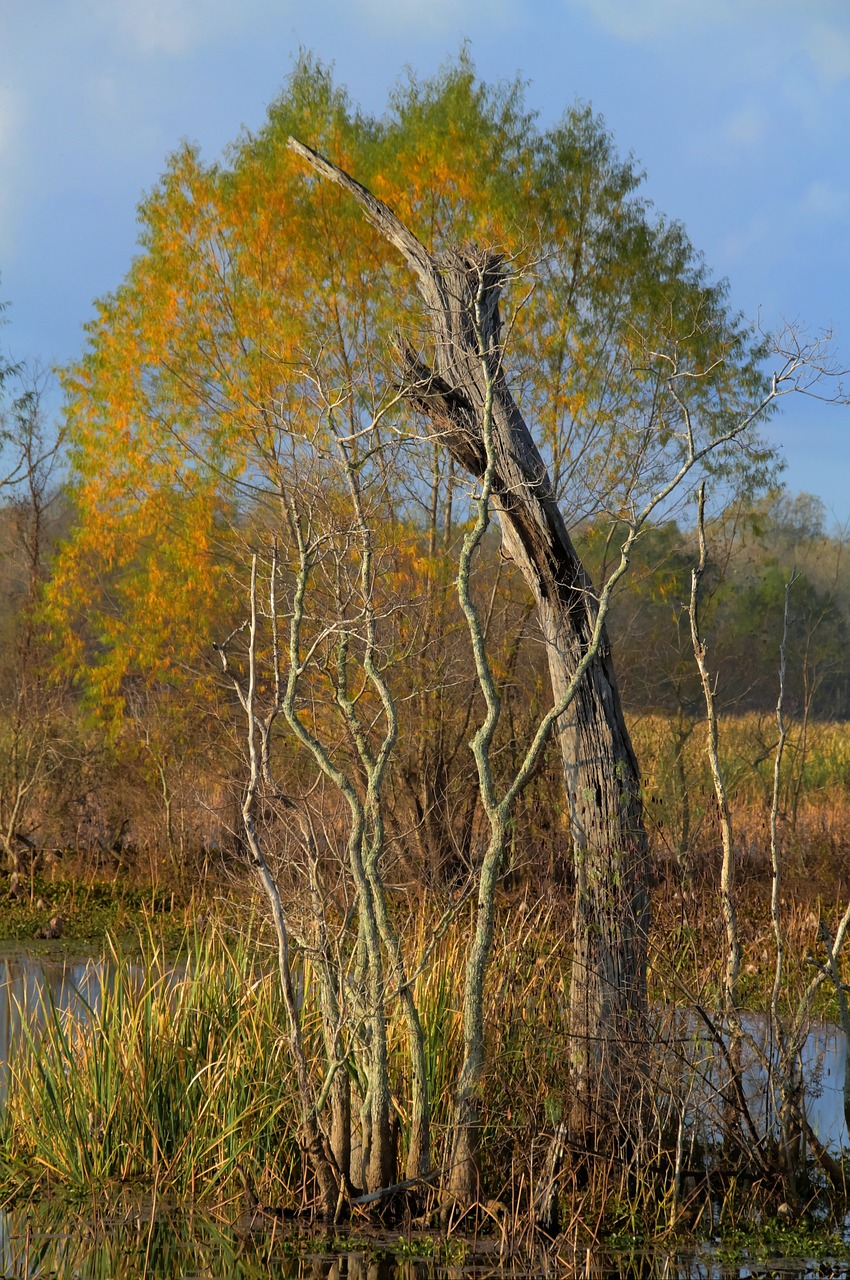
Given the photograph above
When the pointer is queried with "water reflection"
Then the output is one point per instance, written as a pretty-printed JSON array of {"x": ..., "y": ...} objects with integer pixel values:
[
  {"x": 823, "y": 1069},
  {"x": 30, "y": 982},
  {"x": 25, "y": 978},
  {"x": 38, "y": 1241},
  {"x": 694, "y": 1074}
]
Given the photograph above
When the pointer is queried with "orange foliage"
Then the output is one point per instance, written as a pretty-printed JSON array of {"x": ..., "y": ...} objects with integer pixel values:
[{"x": 255, "y": 323}]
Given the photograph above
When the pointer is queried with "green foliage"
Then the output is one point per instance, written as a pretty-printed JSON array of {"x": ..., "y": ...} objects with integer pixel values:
[
  {"x": 90, "y": 911},
  {"x": 783, "y": 1241},
  {"x": 746, "y": 747},
  {"x": 753, "y": 550}
]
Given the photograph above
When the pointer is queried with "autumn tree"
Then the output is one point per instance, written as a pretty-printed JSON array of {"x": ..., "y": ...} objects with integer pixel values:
[
  {"x": 625, "y": 367},
  {"x": 243, "y": 267}
]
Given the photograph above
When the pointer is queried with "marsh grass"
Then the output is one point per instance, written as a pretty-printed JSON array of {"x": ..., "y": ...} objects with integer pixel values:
[
  {"x": 174, "y": 1074},
  {"x": 815, "y": 778},
  {"x": 820, "y": 754}
]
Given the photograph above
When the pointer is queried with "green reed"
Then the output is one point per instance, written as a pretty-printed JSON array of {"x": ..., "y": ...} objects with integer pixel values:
[{"x": 175, "y": 1074}]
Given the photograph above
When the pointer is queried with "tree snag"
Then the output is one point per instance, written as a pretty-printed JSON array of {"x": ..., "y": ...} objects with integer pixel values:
[{"x": 611, "y": 916}]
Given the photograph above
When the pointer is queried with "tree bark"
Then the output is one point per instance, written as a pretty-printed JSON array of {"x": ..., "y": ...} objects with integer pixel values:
[{"x": 611, "y": 916}]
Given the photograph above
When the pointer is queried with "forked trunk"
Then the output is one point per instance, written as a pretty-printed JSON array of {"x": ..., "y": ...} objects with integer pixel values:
[{"x": 608, "y": 993}]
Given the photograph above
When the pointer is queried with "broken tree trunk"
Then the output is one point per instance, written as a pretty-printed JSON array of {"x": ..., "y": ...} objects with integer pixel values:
[{"x": 608, "y": 989}]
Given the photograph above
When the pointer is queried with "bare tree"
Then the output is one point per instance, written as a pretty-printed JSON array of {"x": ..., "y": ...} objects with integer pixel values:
[
  {"x": 727, "y": 870},
  {"x": 463, "y": 389},
  {"x": 32, "y": 458},
  {"x": 328, "y": 686},
  {"x": 465, "y": 393},
  {"x": 258, "y": 732}
]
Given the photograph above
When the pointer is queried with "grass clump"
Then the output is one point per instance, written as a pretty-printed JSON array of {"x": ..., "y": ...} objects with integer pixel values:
[{"x": 175, "y": 1075}]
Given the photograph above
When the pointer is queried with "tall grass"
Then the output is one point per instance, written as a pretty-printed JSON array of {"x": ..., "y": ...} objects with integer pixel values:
[
  {"x": 819, "y": 753},
  {"x": 814, "y": 793},
  {"x": 176, "y": 1075}
]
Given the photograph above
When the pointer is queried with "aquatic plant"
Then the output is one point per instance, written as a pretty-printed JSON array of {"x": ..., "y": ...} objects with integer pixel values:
[{"x": 175, "y": 1074}]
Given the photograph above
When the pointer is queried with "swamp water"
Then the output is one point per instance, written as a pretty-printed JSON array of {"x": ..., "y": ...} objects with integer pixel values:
[
  {"x": 46, "y": 1242},
  {"x": 48, "y": 1239}
]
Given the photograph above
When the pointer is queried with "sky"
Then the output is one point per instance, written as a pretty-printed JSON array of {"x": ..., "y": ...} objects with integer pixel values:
[{"x": 738, "y": 111}]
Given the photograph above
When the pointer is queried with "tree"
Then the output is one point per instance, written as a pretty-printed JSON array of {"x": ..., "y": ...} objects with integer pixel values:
[
  {"x": 325, "y": 561},
  {"x": 466, "y": 395},
  {"x": 32, "y": 452},
  {"x": 196, "y": 400},
  {"x": 243, "y": 268},
  {"x": 462, "y": 387}
]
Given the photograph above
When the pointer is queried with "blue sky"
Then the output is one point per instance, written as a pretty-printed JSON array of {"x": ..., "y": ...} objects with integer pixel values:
[{"x": 738, "y": 110}]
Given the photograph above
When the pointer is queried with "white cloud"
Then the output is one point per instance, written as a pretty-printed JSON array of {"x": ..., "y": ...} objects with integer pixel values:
[
  {"x": 175, "y": 28},
  {"x": 823, "y": 200},
  {"x": 434, "y": 18},
  {"x": 746, "y": 128},
  {"x": 639, "y": 20},
  {"x": 828, "y": 45},
  {"x": 820, "y": 27},
  {"x": 793, "y": 225}
]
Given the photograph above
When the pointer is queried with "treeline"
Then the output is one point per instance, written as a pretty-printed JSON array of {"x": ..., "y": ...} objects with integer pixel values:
[{"x": 754, "y": 549}]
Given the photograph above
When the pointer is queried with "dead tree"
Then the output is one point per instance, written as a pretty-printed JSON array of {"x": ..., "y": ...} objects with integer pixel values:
[{"x": 611, "y": 916}]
